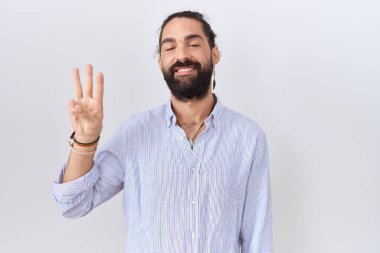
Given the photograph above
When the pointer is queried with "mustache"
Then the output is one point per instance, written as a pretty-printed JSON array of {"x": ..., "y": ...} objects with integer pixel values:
[{"x": 186, "y": 63}]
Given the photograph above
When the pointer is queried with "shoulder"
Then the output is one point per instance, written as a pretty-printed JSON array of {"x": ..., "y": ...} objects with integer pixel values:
[
  {"x": 150, "y": 118},
  {"x": 241, "y": 124},
  {"x": 241, "y": 132}
]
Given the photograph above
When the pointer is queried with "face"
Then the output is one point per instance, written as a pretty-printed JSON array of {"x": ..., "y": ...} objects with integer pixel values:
[{"x": 186, "y": 59}]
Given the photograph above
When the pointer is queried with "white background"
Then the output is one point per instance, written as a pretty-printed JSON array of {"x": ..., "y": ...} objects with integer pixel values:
[{"x": 306, "y": 71}]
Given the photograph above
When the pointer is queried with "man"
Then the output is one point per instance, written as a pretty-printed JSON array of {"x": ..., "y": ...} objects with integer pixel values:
[{"x": 194, "y": 173}]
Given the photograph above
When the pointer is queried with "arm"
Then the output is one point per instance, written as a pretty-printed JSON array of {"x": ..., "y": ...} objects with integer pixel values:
[
  {"x": 256, "y": 228},
  {"x": 86, "y": 114},
  {"x": 104, "y": 180},
  {"x": 83, "y": 184}
]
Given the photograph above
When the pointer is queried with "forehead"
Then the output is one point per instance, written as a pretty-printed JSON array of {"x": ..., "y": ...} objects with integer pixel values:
[{"x": 178, "y": 28}]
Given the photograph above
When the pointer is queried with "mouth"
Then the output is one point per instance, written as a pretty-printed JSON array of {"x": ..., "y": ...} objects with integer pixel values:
[{"x": 183, "y": 71}]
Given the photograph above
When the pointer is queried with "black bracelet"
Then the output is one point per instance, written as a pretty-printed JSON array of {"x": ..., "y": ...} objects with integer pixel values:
[{"x": 81, "y": 143}]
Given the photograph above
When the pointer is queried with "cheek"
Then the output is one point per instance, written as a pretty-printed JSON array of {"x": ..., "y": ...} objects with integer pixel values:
[
  {"x": 165, "y": 68},
  {"x": 165, "y": 64},
  {"x": 203, "y": 58}
]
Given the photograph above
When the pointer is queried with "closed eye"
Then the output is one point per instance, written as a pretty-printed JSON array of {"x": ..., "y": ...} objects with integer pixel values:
[
  {"x": 194, "y": 45},
  {"x": 170, "y": 48}
]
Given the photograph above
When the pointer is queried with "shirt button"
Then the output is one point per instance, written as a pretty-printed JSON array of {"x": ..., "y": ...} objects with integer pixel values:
[
  {"x": 193, "y": 202},
  {"x": 193, "y": 235},
  {"x": 194, "y": 169}
]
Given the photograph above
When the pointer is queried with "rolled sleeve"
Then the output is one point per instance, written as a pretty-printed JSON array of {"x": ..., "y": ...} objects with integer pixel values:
[
  {"x": 75, "y": 198},
  {"x": 64, "y": 192},
  {"x": 103, "y": 181}
]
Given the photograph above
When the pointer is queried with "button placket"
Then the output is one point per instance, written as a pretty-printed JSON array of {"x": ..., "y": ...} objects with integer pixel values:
[
  {"x": 194, "y": 202},
  {"x": 194, "y": 195}
]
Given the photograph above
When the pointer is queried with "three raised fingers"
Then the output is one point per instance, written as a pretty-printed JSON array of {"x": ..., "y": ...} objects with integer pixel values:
[{"x": 88, "y": 89}]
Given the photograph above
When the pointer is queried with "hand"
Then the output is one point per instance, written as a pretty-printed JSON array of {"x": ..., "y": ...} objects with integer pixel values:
[{"x": 86, "y": 111}]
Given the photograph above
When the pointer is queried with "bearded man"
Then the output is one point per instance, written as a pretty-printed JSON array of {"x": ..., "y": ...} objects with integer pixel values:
[{"x": 194, "y": 173}]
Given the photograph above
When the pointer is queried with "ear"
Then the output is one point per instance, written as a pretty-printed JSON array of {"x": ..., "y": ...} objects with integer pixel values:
[
  {"x": 215, "y": 55},
  {"x": 159, "y": 63}
]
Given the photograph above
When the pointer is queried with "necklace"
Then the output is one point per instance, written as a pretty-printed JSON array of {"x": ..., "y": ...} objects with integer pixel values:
[{"x": 192, "y": 139}]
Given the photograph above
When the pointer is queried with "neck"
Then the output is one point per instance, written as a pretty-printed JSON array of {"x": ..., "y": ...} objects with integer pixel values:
[{"x": 192, "y": 112}]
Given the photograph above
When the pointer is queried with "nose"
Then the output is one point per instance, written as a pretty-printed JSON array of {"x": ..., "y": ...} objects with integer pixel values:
[{"x": 182, "y": 54}]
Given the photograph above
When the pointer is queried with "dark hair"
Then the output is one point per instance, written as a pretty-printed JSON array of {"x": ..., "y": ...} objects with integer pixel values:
[{"x": 193, "y": 15}]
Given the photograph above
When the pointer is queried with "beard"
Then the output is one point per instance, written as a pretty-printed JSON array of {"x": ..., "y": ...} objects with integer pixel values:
[{"x": 193, "y": 87}]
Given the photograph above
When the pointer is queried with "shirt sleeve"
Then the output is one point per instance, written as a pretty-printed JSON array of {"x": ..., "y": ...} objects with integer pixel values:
[
  {"x": 105, "y": 179},
  {"x": 256, "y": 228}
]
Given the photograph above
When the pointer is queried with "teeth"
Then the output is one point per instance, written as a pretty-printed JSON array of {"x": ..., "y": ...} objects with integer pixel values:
[{"x": 185, "y": 70}]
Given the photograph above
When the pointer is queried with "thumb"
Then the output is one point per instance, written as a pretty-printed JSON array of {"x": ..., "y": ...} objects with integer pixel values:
[{"x": 74, "y": 107}]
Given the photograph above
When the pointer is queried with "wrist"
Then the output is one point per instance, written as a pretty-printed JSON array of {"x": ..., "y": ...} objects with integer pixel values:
[
  {"x": 82, "y": 141},
  {"x": 84, "y": 149}
]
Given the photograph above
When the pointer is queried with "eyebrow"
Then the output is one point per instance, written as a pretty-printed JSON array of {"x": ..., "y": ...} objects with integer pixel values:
[{"x": 187, "y": 37}]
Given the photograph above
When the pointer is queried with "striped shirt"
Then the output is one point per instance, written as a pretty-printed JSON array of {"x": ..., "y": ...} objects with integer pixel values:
[{"x": 214, "y": 198}]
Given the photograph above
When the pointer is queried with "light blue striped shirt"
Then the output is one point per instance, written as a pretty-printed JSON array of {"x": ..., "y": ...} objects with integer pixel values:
[{"x": 214, "y": 198}]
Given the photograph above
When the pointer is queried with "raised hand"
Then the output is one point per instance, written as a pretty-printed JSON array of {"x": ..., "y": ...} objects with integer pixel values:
[{"x": 86, "y": 110}]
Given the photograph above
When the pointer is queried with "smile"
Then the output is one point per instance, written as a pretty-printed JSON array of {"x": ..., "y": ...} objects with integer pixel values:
[{"x": 184, "y": 71}]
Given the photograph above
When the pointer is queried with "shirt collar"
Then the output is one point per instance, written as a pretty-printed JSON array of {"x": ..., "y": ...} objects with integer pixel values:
[{"x": 214, "y": 116}]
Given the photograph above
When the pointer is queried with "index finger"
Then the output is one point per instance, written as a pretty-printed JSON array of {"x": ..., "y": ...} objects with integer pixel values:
[{"x": 77, "y": 85}]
